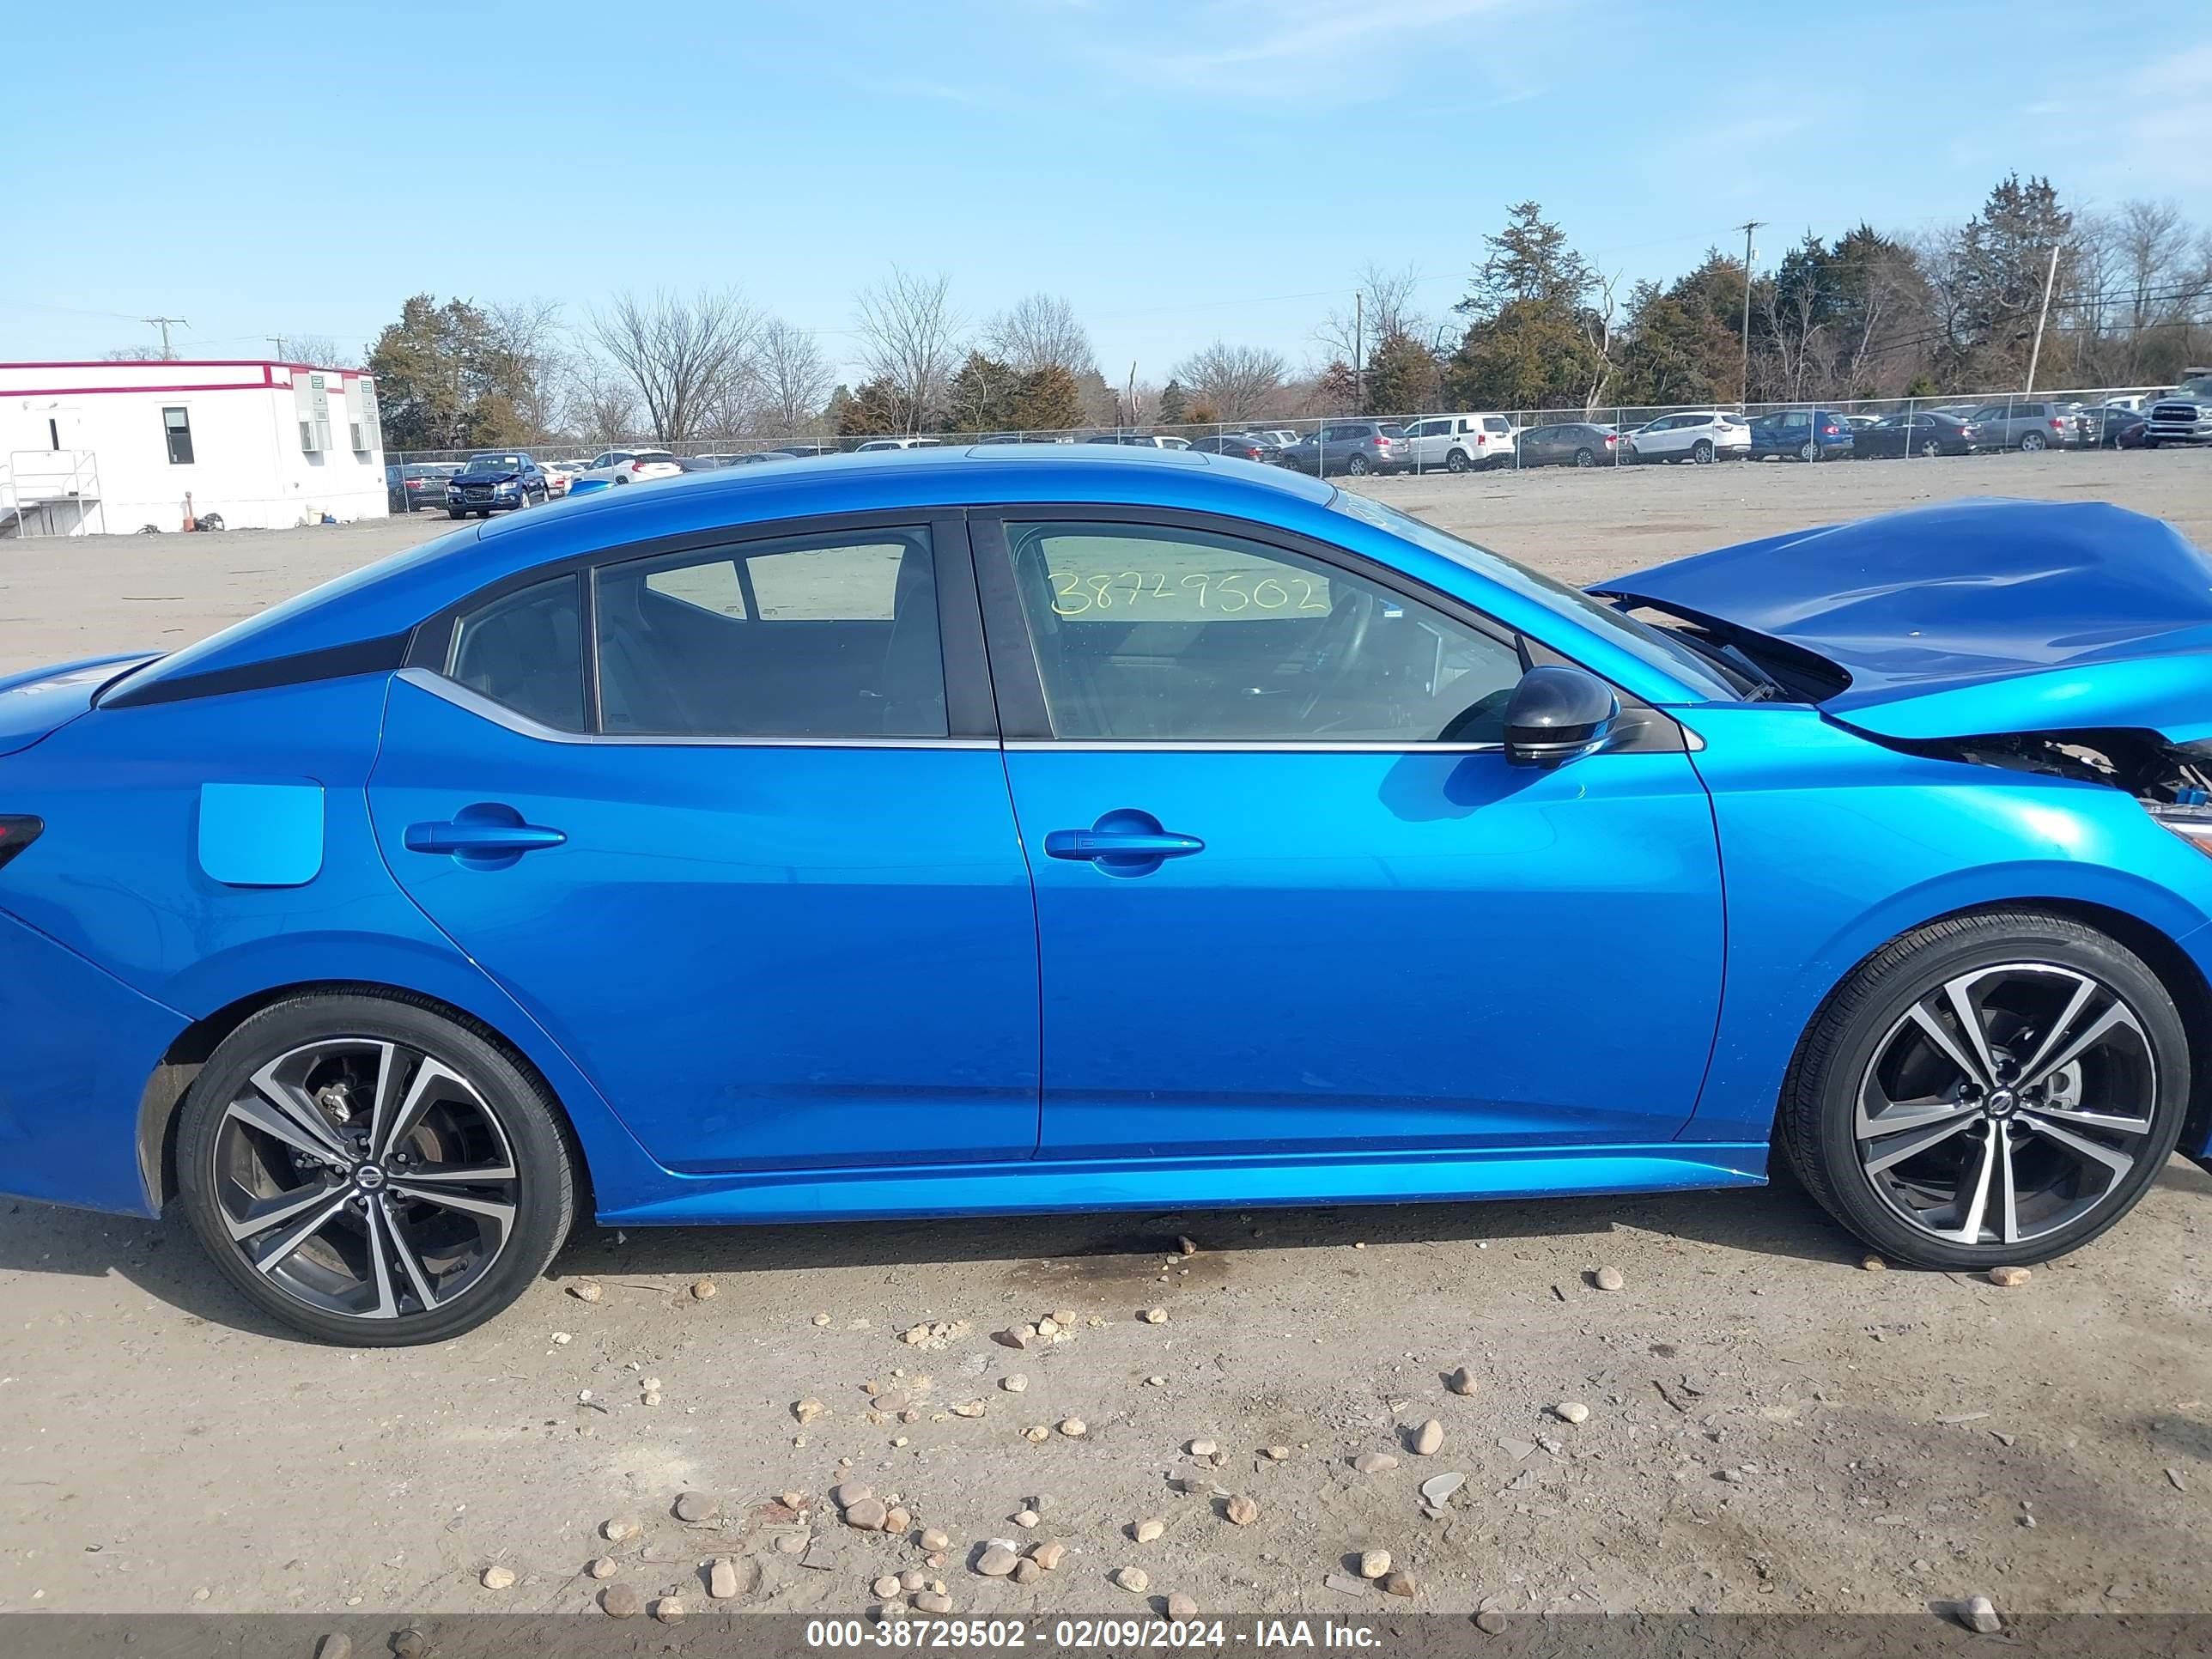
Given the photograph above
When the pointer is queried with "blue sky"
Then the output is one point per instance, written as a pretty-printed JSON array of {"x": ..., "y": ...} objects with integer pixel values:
[{"x": 1180, "y": 171}]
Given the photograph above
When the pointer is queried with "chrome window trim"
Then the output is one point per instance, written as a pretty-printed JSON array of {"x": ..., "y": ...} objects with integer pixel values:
[
  {"x": 1244, "y": 746},
  {"x": 475, "y": 702}
]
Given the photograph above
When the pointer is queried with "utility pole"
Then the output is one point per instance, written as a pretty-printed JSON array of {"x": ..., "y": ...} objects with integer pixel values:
[
  {"x": 2035, "y": 355},
  {"x": 163, "y": 323},
  {"x": 1743, "y": 380},
  {"x": 1358, "y": 344}
]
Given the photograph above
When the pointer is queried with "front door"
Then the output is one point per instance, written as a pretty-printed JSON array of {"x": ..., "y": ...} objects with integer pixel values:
[
  {"x": 741, "y": 844},
  {"x": 1291, "y": 897}
]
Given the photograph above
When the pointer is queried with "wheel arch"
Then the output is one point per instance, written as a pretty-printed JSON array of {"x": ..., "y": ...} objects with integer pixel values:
[
  {"x": 2172, "y": 966},
  {"x": 171, "y": 1081}
]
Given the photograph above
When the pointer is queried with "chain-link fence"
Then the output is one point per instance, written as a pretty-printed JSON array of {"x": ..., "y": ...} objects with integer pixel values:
[{"x": 1478, "y": 441}]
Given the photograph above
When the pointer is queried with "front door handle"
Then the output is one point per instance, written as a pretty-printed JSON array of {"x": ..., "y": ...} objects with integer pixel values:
[
  {"x": 488, "y": 835},
  {"x": 1122, "y": 843}
]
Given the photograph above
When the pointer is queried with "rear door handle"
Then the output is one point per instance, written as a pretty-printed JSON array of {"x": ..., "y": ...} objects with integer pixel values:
[
  {"x": 488, "y": 834},
  {"x": 1125, "y": 842}
]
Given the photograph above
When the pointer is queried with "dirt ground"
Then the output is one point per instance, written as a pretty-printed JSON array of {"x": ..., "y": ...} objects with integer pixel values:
[{"x": 1771, "y": 1428}]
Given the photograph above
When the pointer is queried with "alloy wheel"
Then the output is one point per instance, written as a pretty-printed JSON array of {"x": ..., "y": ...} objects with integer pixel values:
[
  {"x": 365, "y": 1178},
  {"x": 2006, "y": 1103}
]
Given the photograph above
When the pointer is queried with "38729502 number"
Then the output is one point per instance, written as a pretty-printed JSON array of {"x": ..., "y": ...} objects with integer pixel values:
[{"x": 1168, "y": 598}]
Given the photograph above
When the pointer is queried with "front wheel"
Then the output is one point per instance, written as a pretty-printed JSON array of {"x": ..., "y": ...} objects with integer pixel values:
[
  {"x": 456, "y": 513},
  {"x": 1986, "y": 1090},
  {"x": 370, "y": 1172}
]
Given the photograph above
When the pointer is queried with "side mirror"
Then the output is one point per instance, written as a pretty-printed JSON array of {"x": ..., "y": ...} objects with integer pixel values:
[{"x": 1556, "y": 713}]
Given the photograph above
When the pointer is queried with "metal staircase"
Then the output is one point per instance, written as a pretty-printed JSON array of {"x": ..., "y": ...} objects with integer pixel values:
[{"x": 52, "y": 492}]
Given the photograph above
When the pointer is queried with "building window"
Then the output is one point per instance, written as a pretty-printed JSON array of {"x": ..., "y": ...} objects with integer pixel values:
[{"x": 178, "y": 426}]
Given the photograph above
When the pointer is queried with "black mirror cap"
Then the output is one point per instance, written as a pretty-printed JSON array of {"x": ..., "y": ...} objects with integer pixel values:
[{"x": 1558, "y": 713}]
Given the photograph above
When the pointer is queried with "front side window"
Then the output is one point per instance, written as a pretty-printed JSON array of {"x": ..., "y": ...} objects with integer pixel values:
[
  {"x": 1149, "y": 634},
  {"x": 177, "y": 428},
  {"x": 524, "y": 650},
  {"x": 810, "y": 637}
]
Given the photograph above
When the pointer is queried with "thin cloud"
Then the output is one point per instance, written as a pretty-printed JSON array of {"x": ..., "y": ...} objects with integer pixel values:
[{"x": 1266, "y": 50}]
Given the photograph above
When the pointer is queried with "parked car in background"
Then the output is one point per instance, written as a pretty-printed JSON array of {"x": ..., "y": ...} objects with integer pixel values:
[
  {"x": 1800, "y": 434},
  {"x": 2102, "y": 425},
  {"x": 1140, "y": 439},
  {"x": 1351, "y": 447},
  {"x": 1924, "y": 432},
  {"x": 2185, "y": 415},
  {"x": 1698, "y": 435},
  {"x": 1861, "y": 423},
  {"x": 1576, "y": 443},
  {"x": 495, "y": 481},
  {"x": 417, "y": 484},
  {"x": 802, "y": 451},
  {"x": 879, "y": 445},
  {"x": 626, "y": 466},
  {"x": 1459, "y": 443},
  {"x": 1244, "y": 445},
  {"x": 2029, "y": 423},
  {"x": 1281, "y": 437},
  {"x": 557, "y": 479}
]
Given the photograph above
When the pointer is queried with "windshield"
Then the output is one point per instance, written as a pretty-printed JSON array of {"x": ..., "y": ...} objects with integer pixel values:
[
  {"x": 2196, "y": 385},
  {"x": 493, "y": 463},
  {"x": 1656, "y": 645}
]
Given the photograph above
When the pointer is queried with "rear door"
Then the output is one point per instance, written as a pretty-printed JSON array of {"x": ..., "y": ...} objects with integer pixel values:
[
  {"x": 1290, "y": 896},
  {"x": 731, "y": 822}
]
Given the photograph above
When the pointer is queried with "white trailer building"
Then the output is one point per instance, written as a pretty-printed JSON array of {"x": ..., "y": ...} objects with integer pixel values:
[{"x": 111, "y": 447}]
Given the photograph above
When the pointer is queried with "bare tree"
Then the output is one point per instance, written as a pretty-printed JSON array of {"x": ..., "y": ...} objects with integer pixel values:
[
  {"x": 2154, "y": 275},
  {"x": 132, "y": 354},
  {"x": 1040, "y": 331},
  {"x": 909, "y": 342},
  {"x": 601, "y": 402},
  {"x": 683, "y": 356},
  {"x": 527, "y": 334},
  {"x": 794, "y": 378},
  {"x": 1386, "y": 308},
  {"x": 1599, "y": 328},
  {"x": 319, "y": 350},
  {"x": 1238, "y": 383}
]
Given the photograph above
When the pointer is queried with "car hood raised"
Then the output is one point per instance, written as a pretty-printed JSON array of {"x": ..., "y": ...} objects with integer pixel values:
[{"x": 1974, "y": 618}]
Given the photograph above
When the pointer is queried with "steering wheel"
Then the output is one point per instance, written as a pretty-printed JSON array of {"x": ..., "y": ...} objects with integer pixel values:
[{"x": 1337, "y": 646}]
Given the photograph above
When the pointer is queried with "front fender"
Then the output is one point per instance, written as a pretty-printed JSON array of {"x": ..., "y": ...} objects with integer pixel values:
[{"x": 1833, "y": 845}]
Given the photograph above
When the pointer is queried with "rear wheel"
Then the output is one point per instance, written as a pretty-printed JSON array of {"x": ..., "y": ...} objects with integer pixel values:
[
  {"x": 1702, "y": 451},
  {"x": 1456, "y": 461},
  {"x": 1358, "y": 465},
  {"x": 1585, "y": 458},
  {"x": 2031, "y": 441},
  {"x": 1986, "y": 1090},
  {"x": 1931, "y": 447},
  {"x": 370, "y": 1172}
]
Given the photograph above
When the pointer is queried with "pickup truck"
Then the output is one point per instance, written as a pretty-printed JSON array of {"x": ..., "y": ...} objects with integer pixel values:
[{"x": 2184, "y": 415}]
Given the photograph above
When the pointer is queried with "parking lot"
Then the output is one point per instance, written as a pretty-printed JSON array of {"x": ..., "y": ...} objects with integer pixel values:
[{"x": 1772, "y": 1424}]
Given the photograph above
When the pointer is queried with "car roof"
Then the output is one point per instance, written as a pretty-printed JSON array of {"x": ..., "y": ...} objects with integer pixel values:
[{"x": 389, "y": 598}]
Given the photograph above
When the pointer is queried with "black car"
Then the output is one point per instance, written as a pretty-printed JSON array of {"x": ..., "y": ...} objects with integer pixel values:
[
  {"x": 2110, "y": 426},
  {"x": 1576, "y": 443},
  {"x": 497, "y": 479},
  {"x": 1921, "y": 433},
  {"x": 417, "y": 484},
  {"x": 1241, "y": 445}
]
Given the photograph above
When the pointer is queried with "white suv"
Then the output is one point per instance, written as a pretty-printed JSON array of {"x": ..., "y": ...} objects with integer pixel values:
[
  {"x": 1699, "y": 435},
  {"x": 1460, "y": 443},
  {"x": 624, "y": 467}
]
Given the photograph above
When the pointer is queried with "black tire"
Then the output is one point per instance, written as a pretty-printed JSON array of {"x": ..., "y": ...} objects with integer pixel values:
[
  {"x": 1456, "y": 461},
  {"x": 1811, "y": 451},
  {"x": 1585, "y": 458},
  {"x": 1818, "y": 1123},
  {"x": 1356, "y": 465},
  {"x": 1931, "y": 447},
  {"x": 543, "y": 1189},
  {"x": 456, "y": 513},
  {"x": 1702, "y": 451}
]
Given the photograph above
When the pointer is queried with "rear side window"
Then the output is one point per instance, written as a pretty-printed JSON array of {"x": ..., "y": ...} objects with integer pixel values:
[
  {"x": 524, "y": 650},
  {"x": 817, "y": 637}
]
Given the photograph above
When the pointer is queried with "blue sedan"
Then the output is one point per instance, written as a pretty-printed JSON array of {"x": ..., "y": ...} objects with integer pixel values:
[{"x": 1031, "y": 829}]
